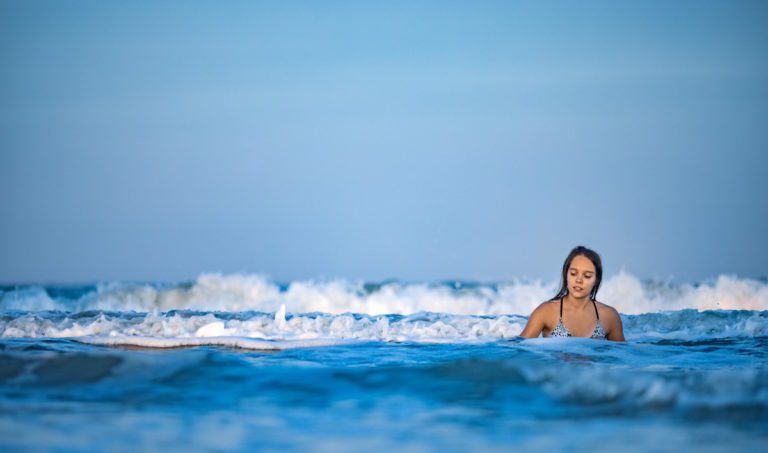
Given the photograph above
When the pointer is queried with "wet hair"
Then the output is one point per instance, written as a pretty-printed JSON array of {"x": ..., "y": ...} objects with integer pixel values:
[{"x": 590, "y": 255}]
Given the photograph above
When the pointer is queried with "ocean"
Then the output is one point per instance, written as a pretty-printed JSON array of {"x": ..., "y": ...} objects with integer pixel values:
[{"x": 240, "y": 362}]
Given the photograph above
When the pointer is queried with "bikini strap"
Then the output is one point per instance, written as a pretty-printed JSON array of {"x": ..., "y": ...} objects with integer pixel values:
[
  {"x": 595, "y": 305},
  {"x": 561, "y": 308}
]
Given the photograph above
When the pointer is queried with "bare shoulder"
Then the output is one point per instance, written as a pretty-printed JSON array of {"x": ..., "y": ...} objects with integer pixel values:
[
  {"x": 541, "y": 319},
  {"x": 611, "y": 321},
  {"x": 607, "y": 311},
  {"x": 546, "y": 307},
  {"x": 546, "y": 312}
]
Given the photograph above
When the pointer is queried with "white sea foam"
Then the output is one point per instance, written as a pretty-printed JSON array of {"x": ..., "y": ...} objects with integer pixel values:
[
  {"x": 193, "y": 328},
  {"x": 213, "y": 311},
  {"x": 232, "y": 293},
  {"x": 206, "y": 328}
]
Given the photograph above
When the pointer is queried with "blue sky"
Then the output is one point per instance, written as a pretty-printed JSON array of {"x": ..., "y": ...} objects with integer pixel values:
[{"x": 373, "y": 140}]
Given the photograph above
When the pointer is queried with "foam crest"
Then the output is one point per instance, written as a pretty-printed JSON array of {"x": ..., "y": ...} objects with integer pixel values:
[
  {"x": 195, "y": 327},
  {"x": 234, "y": 293},
  {"x": 174, "y": 327},
  {"x": 629, "y": 295}
]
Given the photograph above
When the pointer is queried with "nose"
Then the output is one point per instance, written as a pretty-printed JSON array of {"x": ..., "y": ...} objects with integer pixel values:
[{"x": 578, "y": 279}]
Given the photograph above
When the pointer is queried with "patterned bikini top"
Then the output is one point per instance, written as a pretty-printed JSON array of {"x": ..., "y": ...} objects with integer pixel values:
[{"x": 562, "y": 331}]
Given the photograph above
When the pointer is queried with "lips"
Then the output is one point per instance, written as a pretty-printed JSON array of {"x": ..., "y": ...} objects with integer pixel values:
[{"x": 578, "y": 288}]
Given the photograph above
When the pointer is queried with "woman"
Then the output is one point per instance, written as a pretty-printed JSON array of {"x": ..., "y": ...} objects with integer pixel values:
[{"x": 574, "y": 312}]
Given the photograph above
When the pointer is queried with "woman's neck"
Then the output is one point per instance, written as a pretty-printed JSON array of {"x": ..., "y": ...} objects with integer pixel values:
[{"x": 579, "y": 303}]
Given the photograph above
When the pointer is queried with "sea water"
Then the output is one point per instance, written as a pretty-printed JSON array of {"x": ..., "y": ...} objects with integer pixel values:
[{"x": 240, "y": 362}]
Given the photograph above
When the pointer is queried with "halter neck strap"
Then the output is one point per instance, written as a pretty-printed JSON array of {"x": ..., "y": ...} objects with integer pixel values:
[{"x": 593, "y": 304}]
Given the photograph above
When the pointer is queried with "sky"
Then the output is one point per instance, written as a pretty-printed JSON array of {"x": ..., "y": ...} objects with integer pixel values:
[{"x": 420, "y": 141}]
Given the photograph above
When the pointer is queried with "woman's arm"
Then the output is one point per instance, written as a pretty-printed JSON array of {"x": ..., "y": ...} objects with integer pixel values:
[
  {"x": 536, "y": 323},
  {"x": 615, "y": 329}
]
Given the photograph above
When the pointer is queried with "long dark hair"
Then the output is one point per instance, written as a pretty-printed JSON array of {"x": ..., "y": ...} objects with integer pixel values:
[{"x": 590, "y": 255}]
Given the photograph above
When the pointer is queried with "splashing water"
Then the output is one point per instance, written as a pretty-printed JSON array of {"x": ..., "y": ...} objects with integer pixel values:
[{"x": 240, "y": 362}]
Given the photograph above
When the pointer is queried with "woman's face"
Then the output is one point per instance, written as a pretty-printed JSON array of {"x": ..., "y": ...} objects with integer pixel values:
[{"x": 581, "y": 277}]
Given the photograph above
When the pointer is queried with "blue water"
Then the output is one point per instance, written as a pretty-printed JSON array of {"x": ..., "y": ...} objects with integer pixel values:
[{"x": 87, "y": 380}]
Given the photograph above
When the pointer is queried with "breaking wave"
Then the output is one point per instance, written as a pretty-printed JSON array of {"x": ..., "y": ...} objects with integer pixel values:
[{"x": 235, "y": 293}]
